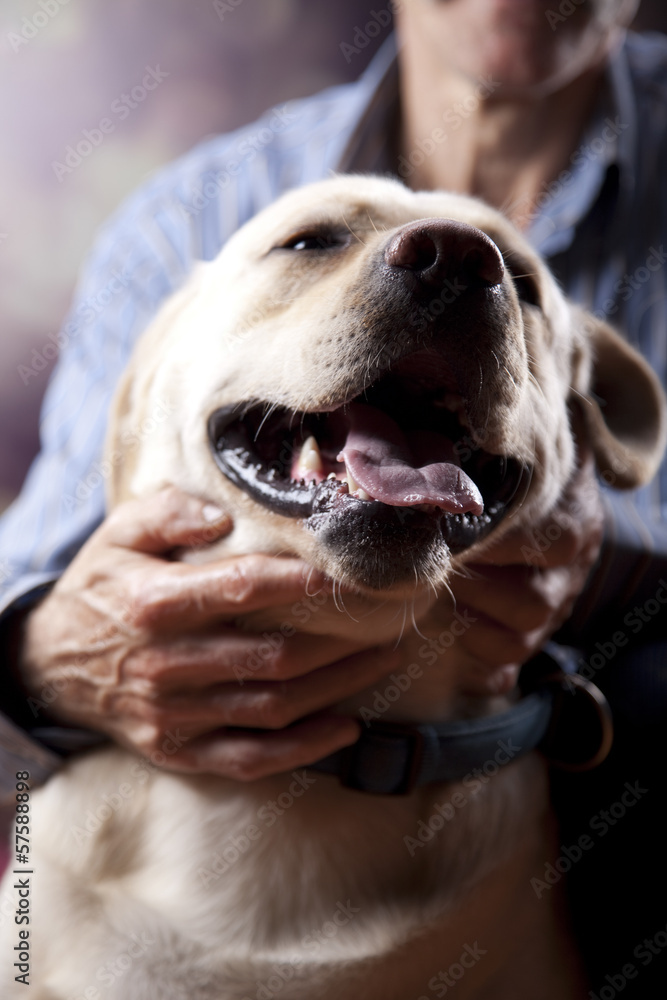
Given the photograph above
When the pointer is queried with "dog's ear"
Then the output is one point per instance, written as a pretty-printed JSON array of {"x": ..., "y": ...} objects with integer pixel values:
[{"x": 622, "y": 403}]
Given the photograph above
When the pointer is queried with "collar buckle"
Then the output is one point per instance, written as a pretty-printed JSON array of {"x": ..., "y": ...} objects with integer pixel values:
[
  {"x": 402, "y": 742},
  {"x": 582, "y": 730}
]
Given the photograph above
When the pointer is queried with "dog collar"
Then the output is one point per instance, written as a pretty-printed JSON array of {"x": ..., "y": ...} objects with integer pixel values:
[{"x": 563, "y": 715}]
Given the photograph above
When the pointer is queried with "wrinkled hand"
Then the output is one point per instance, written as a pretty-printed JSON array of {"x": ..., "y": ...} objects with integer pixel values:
[
  {"x": 522, "y": 589},
  {"x": 144, "y": 649}
]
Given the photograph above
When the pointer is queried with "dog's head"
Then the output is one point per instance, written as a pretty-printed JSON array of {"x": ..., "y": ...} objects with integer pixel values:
[{"x": 376, "y": 380}]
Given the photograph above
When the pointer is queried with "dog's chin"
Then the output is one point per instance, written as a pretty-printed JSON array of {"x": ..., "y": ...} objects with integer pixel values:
[
  {"x": 390, "y": 482},
  {"x": 373, "y": 547}
]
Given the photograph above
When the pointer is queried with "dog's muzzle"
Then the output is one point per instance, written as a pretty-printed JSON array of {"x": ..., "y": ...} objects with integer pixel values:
[{"x": 396, "y": 461}]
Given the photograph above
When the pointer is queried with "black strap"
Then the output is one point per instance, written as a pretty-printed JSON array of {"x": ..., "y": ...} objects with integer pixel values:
[{"x": 393, "y": 758}]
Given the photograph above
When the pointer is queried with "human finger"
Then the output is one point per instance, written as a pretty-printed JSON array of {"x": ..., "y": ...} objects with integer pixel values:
[{"x": 246, "y": 755}]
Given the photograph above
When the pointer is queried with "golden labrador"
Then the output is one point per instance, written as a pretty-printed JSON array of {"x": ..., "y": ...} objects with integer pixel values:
[{"x": 380, "y": 382}]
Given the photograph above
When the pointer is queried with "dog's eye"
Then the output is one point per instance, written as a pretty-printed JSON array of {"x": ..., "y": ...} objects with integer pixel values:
[{"x": 314, "y": 241}]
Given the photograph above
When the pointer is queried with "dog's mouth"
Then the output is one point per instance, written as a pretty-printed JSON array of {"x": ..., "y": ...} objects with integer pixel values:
[{"x": 402, "y": 448}]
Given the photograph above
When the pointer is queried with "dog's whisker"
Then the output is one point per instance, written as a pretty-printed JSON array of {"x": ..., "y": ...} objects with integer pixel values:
[
  {"x": 509, "y": 253},
  {"x": 533, "y": 377},
  {"x": 335, "y": 596},
  {"x": 315, "y": 592},
  {"x": 373, "y": 362},
  {"x": 581, "y": 395},
  {"x": 527, "y": 477},
  {"x": 338, "y": 597},
  {"x": 466, "y": 572},
  {"x": 271, "y": 409},
  {"x": 509, "y": 375},
  {"x": 399, "y": 611},
  {"x": 382, "y": 229},
  {"x": 352, "y": 232},
  {"x": 402, "y": 628},
  {"x": 415, "y": 626},
  {"x": 451, "y": 594},
  {"x": 340, "y": 602},
  {"x": 480, "y": 385},
  {"x": 295, "y": 413},
  {"x": 532, "y": 367}
]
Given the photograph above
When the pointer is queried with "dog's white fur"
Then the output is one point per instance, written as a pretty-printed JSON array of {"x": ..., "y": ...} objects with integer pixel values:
[{"x": 149, "y": 884}]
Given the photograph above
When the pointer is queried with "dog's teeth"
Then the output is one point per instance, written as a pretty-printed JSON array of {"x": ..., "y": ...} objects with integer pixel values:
[
  {"x": 354, "y": 488},
  {"x": 310, "y": 459},
  {"x": 450, "y": 401},
  {"x": 455, "y": 403},
  {"x": 332, "y": 475},
  {"x": 353, "y": 485}
]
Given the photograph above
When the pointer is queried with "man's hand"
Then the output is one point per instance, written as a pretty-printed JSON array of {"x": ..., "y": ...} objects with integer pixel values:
[
  {"x": 139, "y": 647},
  {"x": 524, "y": 587}
]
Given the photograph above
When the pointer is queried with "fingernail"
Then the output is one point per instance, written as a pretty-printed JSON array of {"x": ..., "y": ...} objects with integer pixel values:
[{"x": 211, "y": 513}]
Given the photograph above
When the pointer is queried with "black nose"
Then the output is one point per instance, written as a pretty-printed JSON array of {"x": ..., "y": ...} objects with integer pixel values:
[{"x": 439, "y": 250}]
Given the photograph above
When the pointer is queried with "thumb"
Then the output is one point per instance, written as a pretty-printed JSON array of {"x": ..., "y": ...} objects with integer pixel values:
[{"x": 166, "y": 520}]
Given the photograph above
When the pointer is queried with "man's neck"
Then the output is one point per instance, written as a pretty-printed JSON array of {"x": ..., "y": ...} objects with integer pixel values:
[{"x": 469, "y": 137}]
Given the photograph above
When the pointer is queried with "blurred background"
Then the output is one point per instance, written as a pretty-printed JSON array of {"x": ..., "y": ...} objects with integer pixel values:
[{"x": 63, "y": 64}]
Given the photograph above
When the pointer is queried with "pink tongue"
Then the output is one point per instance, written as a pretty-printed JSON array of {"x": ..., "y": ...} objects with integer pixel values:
[{"x": 404, "y": 470}]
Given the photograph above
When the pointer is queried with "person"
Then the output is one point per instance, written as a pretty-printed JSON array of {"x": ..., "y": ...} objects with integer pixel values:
[{"x": 558, "y": 122}]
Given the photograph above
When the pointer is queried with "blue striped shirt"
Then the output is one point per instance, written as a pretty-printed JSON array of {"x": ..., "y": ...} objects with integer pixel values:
[{"x": 601, "y": 224}]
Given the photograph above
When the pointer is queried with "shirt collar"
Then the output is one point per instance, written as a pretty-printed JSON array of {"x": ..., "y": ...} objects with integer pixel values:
[
  {"x": 367, "y": 148},
  {"x": 608, "y": 142}
]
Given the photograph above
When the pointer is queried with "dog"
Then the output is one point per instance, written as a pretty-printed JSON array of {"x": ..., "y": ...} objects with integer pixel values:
[{"x": 380, "y": 382}]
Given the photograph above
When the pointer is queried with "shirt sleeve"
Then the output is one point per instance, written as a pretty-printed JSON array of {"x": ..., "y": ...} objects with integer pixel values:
[
  {"x": 627, "y": 591},
  {"x": 185, "y": 213},
  {"x": 141, "y": 256}
]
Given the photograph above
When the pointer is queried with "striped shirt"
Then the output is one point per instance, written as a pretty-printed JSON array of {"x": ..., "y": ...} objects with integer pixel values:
[{"x": 602, "y": 225}]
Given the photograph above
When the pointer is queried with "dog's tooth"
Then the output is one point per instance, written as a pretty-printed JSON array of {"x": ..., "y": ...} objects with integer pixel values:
[
  {"x": 353, "y": 485},
  {"x": 450, "y": 401},
  {"x": 310, "y": 459},
  {"x": 356, "y": 490},
  {"x": 332, "y": 475},
  {"x": 454, "y": 403}
]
